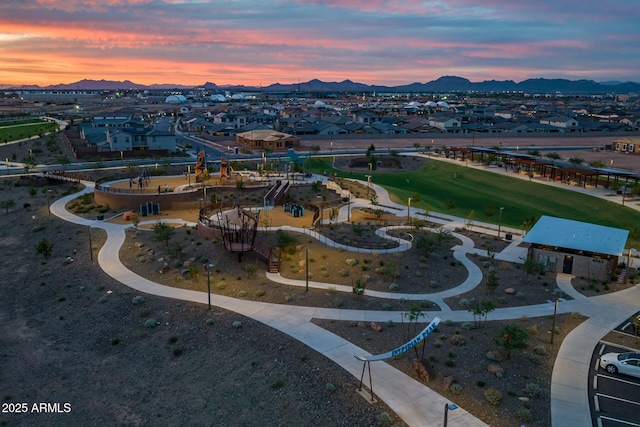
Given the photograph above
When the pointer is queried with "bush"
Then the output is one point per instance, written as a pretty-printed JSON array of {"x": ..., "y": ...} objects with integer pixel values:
[
  {"x": 480, "y": 383},
  {"x": 384, "y": 419},
  {"x": 137, "y": 300},
  {"x": 237, "y": 324},
  {"x": 464, "y": 303},
  {"x": 493, "y": 396},
  {"x": 524, "y": 415},
  {"x": 351, "y": 262},
  {"x": 455, "y": 388},
  {"x": 393, "y": 287},
  {"x": 330, "y": 387},
  {"x": 533, "y": 390},
  {"x": 151, "y": 323},
  {"x": 458, "y": 340},
  {"x": 540, "y": 350}
]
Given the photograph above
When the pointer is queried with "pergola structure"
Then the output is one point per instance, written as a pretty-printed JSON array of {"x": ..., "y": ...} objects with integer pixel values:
[{"x": 551, "y": 169}]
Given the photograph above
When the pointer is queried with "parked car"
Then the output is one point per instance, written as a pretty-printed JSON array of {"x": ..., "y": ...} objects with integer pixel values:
[{"x": 624, "y": 363}]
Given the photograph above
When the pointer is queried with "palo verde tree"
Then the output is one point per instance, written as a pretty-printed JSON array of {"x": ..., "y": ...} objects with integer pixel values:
[
  {"x": 492, "y": 281},
  {"x": 7, "y": 204}
]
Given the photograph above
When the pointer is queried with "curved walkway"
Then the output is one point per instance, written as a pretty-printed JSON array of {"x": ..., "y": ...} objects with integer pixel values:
[{"x": 415, "y": 403}]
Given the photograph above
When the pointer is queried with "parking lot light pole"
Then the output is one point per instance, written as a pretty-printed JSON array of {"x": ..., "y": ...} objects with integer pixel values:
[
  {"x": 500, "y": 222},
  {"x": 409, "y": 211}
]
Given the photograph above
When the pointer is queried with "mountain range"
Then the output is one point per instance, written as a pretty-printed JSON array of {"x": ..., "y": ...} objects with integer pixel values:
[{"x": 442, "y": 84}]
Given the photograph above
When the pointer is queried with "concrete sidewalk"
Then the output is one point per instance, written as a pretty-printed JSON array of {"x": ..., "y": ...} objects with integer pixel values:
[{"x": 414, "y": 402}]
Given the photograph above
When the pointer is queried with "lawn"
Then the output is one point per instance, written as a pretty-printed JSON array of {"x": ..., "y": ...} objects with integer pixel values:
[
  {"x": 457, "y": 190},
  {"x": 14, "y": 131}
]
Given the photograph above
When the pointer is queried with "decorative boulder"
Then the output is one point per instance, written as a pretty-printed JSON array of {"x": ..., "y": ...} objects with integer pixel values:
[
  {"x": 376, "y": 327},
  {"x": 494, "y": 356},
  {"x": 495, "y": 369},
  {"x": 509, "y": 291}
]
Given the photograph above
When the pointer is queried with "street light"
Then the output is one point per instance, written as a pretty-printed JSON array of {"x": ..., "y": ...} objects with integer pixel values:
[
  {"x": 349, "y": 207},
  {"x": 306, "y": 264},
  {"x": 500, "y": 222},
  {"x": 409, "y": 211},
  {"x": 209, "y": 267}
]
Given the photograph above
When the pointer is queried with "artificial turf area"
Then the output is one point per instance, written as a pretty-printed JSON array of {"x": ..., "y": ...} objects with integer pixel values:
[{"x": 458, "y": 190}]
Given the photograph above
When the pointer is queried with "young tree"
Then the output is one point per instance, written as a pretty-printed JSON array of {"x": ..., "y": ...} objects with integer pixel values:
[
  {"x": 492, "y": 281},
  {"x": 512, "y": 337},
  {"x": 471, "y": 219},
  {"x": 413, "y": 316},
  {"x": 427, "y": 242},
  {"x": 6, "y": 204},
  {"x": 531, "y": 266},
  {"x": 162, "y": 232},
  {"x": 44, "y": 248}
]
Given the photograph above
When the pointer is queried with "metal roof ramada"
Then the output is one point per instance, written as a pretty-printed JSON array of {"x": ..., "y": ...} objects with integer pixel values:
[{"x": 582, "y": 236}]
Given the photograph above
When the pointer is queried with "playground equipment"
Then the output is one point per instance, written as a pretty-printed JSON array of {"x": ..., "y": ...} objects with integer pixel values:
[
  {"x": 150, "y": 208},
  {"x": 201, "y": 166}
]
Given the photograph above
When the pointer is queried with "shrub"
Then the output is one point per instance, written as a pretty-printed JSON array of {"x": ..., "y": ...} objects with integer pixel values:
[
  {"x": 458, "y": 340},
  {"x": 393, "y": 287},
  {"x": 137, "y": 300},
  {"x": 524, "y": 415},
  {"x": 344, "y": 273},
  {"x": 261, "y": 293},
  {"x": 242, "y": 294},
  {"x": 330, "y": 387},
  {"x": 540, "y": 350},
  {"x": 351, "y": 262},
  {"x": 520, "y": 295},
  {"x": 533, "y": 330},
  {"x": 277, "y": 384},
  {"x": 464, "y": 303},
  {"x": 467, "y": 325},
  {"x": 533, "y": 390},
  {"x": 237, "y": 324},
  {"x": 450, "y": 363},
  {"x": 115, "y": 341},
  {"x": 386, "y": 306},
  {"x": 455, "y": 388},
  {"x": 480, "y": 383},
  {"x": 384, "y": 419},
  {"x": 493, "y": 396},
  {"x": 209, "y": 321},
  {"x": 177, "y": 352},
  {"x": 151, "y": 323}
]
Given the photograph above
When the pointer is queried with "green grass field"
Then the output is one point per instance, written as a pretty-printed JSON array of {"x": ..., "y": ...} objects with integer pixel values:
[
  {"x": 485, "y": 192},
  {"x": 14, "y": 131}
]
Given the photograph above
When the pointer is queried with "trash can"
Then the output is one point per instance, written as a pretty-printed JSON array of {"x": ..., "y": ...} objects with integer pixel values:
[
  {"x": 508, "y": 236},
  {"x": 100, "y": 217}
]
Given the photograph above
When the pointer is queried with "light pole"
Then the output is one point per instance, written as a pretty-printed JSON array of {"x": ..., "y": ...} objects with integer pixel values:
[
  {"x": 209, "y": 267},
  {"x": 321, "y": 209},
  {"x": 409, "y": 211},
  {"x": 553, "y": 325},
  {"x": 122, "y": 157},
  {"x": 629, "y": 259},
  {"x": 349, "y": 207},
  {"x": 306, "y": 264},
  {"x": 448, "y": 407},
  {"x": 368, "y": 183},
  {"x": 49, "y": 200},
  {"x": 7, "y": 160},
  {"x": 500, "y": 222}
]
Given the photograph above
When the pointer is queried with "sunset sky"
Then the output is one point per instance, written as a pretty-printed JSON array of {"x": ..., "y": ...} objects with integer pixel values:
[{"x": 260, "y": 42}]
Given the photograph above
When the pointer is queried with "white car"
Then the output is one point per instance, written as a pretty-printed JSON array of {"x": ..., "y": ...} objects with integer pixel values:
[{"x": 624, "y": 363}]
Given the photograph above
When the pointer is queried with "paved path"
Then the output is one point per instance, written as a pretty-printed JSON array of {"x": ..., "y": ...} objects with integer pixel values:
[{"x": 415, "y": 403}]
